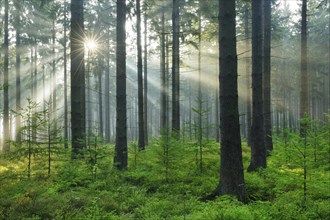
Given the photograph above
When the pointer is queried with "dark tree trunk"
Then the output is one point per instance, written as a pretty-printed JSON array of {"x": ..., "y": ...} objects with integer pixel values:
[
  {"x": 18, "y": 69},
  {"x": 231, "y": 167},
  {"x": 200, "y": 94},
  {"x": 303, "y": 68},
  {"x": 78, "y": 108},
  {"x": 141, "y": 141},
  {"x": 163, "y": 94},
  {"x": 258, "y": 150},
  {"x": 176, "y": 69},
  {"x": 267, "y": 75},
  {"x": 120, "y": 159},
  {"x": 65, "y": 80},
  {"x": 6, "y": 130},
  {"x": 217, "y": 118}
]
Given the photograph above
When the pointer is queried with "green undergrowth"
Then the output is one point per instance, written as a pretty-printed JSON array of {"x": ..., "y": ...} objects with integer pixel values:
[{"x": 149, "y": 189}]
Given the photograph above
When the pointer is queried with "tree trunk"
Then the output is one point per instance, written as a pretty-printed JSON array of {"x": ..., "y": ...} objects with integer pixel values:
[
  {"x": 200, "y": 94},
  {"x": 163, "y": 94},
  {"x": 99, "y": 74},
  {"x": 258, "y": 150},
  {"x": 107, "y": 92},
  {"x": 267, "y": 75},
  {"x": 18, "y": 69},
  {"x": 6, "y": 130},
  {"x": 231, "y": 167},
  {"x": 141, "y": 141},
  {"x": 176, "y": 69},
  {"x": 145, "y": 82},
  {"x": 120, "y": 159},
  {"x": 78, "y": 108},
  {"x": 54, "y": 107},
  {"x": 303, "y": 68},
  {"x": 65, "y": 80}
]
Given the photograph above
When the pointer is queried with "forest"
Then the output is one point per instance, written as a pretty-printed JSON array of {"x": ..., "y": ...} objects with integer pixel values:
[{"x": 168, "y": 109}]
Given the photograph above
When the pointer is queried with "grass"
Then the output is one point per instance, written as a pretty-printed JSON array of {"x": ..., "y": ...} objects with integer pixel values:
[{"x": 76, "y": 190}]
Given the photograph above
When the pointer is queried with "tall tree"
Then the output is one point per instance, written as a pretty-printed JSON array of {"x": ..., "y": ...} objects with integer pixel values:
[
  {"x": 176, "y": 68},
  {"x": 267, "y": 74},
  {"x": 78, "y": 111},
  {"x": 303, "y": 66},
  {"x": 200, "y": 94},
  {"x": 163, "y": 94},
  {"x": 145, "y": 76},
  {"x": 107, "y": 89},
  {"x": 120, "y": 159},
  {"x": 65, "y": 78},
  {"x": 100, "y": 94},
  {"x": 18, "y": 68},
  {"x": 258, "y": 150},
  {"x": 141, "y": 141},
  {"x": 231, "y": 166},
  {"x": 6, "y": 131},
  {"x": 54, "y": 96}
]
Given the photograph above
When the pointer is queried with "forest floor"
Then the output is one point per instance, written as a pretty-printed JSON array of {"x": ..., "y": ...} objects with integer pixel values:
[{"x": 165, "y": 183}]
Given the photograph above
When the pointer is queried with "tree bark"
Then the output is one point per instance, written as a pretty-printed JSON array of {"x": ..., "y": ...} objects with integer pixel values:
[
  {"x": 258, "y": 150},
  {"x": 141, "y": 140},
  {"x": 78, "y": 108},
  {"x": 6, "y": 129},
  {"x": 66, "y": 135},
  {"x": 18, "y": 69},
  {"x": 163, "y": 94},
  {"x": 145, "y": 79},
  {"x": 99, "y": 74},
  {"x": 54, "y": 107},
  {"x": 120, "y": 159},
  {"x": 107, "y": 92},
  {"x": 267, "y": 75},
  {"x": 303, "y": 68},
  {"x": 231, "y": 166},
  {"x": 176, "y": 69}
]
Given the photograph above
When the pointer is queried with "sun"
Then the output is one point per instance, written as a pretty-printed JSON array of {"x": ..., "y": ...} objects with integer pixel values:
[{"x": 90, "y": 45}]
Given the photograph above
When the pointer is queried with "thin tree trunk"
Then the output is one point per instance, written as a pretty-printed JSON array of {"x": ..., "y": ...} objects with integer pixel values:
[
  {"x": 267, "y": 75},
  {"x": 107, "y": 93},
  {"x": 176, "y": 69},
  {"x": 65, "y": 80},
  {"x": 200, "y": 94},
  {"x": 99, "y": 74},
  {"x": 18, "y": 70},
  {"x": 6, "y": 130},
  {"x": 54, "y": 107},
  {"x": 303, "y": 68},
  {"x": 145, "y": 102},
  {"x": 89, "y": 98},
  {"x": 141, "y": 140},
  {"x": 217, "y": 113},
  {"x": 163, "y": 94},
  {"x": 35, "y": 88}
]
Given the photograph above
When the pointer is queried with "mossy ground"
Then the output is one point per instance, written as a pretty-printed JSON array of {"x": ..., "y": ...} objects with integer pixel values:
[{"x": 79, "y": 190}]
